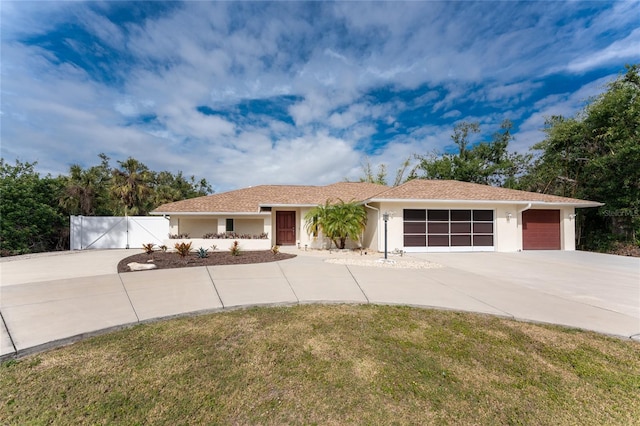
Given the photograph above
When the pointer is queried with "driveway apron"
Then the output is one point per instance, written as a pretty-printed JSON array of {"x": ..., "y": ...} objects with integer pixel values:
[{"x": 38, "y": 313}]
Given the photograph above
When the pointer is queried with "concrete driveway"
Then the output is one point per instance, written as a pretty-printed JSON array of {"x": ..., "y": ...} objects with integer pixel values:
[{"x": 50, "y": 300}]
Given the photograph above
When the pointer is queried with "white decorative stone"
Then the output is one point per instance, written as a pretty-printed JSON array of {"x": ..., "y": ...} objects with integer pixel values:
[{"x": 135, "y": 266}]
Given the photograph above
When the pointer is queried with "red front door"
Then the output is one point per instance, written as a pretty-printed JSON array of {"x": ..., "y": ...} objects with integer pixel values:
[{"x": 285, "y": 228}]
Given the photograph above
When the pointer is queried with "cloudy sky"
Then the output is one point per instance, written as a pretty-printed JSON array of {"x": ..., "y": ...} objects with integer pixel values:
[{"x": 244, "y": 93}]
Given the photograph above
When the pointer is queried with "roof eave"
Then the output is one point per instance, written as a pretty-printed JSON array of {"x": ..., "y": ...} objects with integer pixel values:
[
  {"x": 286, "y": 205},
  {"x": 524, "y": 202},
  {"x": 210, "y": 213}
]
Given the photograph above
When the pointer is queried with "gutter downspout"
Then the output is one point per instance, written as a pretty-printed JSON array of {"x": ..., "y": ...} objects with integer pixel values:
[
  {"x": 525, "y": 209},
  {"x": 377, "y": 223}
]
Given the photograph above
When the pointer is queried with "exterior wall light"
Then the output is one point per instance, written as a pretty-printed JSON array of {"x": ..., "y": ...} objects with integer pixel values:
[{"x": 509, "y": 216}]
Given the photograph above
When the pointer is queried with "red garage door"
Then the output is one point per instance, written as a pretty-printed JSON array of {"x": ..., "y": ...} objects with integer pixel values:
[{"x": 541, "y": 230}]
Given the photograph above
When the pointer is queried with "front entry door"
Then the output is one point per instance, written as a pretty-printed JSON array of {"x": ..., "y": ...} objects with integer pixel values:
[{"x": 285, "y": 228}]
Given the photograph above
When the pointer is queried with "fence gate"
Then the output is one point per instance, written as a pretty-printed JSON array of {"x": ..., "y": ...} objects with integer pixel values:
[{"x": 108, "y": 232}]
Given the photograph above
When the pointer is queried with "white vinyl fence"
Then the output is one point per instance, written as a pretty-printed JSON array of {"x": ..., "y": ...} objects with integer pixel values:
[{"x": 108, "y": 232}]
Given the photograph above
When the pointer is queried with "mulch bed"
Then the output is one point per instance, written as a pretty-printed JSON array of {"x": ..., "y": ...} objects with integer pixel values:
[
  {"x": 629, "y": 249},
  {"x": 165, "y": 260}
]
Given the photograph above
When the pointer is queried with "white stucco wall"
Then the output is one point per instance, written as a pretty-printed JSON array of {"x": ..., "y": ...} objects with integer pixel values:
[
  {"x": 196, "y": 227},
  {"x": 174, "y": 225},
  {"x": 249, "y": 226},
  {"x": 507, "y": 223},
  {"x": 508, "y": 227},
  {"x": 370, "y": 238},
  {"x": 395, "y": 231},
  {"x": 568, "y": 228},
  {"x": 301, "y": 232}
]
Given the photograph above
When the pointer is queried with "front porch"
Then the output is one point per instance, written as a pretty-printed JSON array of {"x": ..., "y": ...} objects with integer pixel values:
[{"x": 282, "y": 226}]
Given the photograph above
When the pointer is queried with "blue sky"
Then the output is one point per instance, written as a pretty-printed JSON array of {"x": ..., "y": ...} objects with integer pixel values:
[{"x": 246, "y": 93}]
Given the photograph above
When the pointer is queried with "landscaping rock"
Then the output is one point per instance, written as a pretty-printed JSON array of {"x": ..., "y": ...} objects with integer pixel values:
[{"x": 135, "y": 266}]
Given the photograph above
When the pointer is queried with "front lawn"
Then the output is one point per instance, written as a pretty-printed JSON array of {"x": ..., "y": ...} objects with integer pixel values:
[{"x": 333, "y": 365}]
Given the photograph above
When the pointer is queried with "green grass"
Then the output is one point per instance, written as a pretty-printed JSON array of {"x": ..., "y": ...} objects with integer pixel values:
[{"x": 335, "y": 365}]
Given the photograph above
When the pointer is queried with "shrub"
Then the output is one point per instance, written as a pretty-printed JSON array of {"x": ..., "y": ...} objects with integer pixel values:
[
  {"x": 183, "y": 249},
  {"x": 178, "y": 236},
  {"x": 275, "y": 250},
  {"x": 214, "y": 247},
  {"x": 235, "y": 236},
  {"x": 235, "y": 248},
  {"x": 148, "y": 248},
  {"x": 164, "y": 248},
  {"x": 202, "y": 253}
]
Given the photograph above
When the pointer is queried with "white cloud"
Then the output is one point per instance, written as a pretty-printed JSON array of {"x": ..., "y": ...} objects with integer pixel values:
[
  {"x": 617, "y": 52},
  {"x": 452, "y": 114},
  {"x": 511, "y": 92},
  {"x": 458, "y": 57},
  {"x": 313, "y": 158}
]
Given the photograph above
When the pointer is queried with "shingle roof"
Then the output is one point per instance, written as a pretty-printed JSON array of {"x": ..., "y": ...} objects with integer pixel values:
[
  {"x": 249, "y": 200},
  {"x": 451, "y": 190}
]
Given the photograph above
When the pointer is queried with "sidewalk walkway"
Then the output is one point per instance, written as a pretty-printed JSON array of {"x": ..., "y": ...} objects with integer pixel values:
[{"x": 49, "y": 301}]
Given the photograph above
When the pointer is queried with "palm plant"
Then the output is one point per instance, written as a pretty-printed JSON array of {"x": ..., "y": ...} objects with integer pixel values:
[
  {"x": 131, "y": 186},
  {"x": 79, "y": 192},
  {"x": 85, "y": 190},
  {"x": 315, "y": 219},
  {"x": 337, "y": 221}
]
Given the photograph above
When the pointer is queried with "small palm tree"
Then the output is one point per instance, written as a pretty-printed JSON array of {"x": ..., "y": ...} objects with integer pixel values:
[
  {"x": 315, "y": 219},
  {"x": 337, "y": 221}
]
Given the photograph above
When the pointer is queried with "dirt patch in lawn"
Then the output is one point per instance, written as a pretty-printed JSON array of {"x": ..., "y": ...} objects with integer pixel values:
[{"x": 165, "y": 260}]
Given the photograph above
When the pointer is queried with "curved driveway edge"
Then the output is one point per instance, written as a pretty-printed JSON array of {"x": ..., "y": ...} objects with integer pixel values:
[{"x": 49, "y": 301}]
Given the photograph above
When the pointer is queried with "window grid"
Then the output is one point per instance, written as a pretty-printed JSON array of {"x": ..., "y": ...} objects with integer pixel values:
[{"x": 415, "y": 220}]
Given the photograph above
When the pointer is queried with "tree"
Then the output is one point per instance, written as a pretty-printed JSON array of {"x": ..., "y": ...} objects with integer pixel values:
[
  {"x": 168, "y": 187},
  {"x": 34, "y": 213},
  {"x": 29, "y": 218},
  {"x": 380, "y": 177},
  {"x": 131, "y": 186},
  {"x": 488, "y": 163},
  {"x": 337, "y": 221},
  {"x": 132, "y": 189},
  {"x": 596, "y": 155},
  {"x": 86, "y": 191}
]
